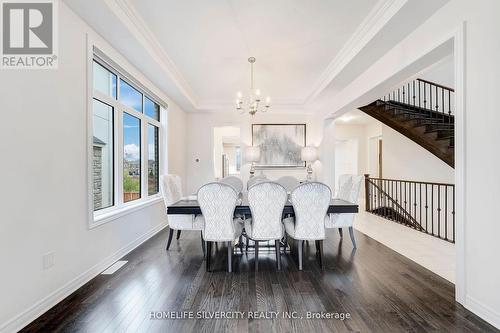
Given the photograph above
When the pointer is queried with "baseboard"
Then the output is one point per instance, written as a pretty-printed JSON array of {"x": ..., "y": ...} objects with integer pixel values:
[
  {"x": 39, "y": 308},
  {"x": 483, "y": 311}
]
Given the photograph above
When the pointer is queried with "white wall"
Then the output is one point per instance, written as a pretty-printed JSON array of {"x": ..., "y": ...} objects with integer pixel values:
[
  {"x": 479, "y": 288},
  {"x": 200, "y": 142},
  {"x": 177, "y": 141},
  {"x": 44, "y": 181},
  {"x": 404, "y": 159},
  {"x": 357, "y": 133}
]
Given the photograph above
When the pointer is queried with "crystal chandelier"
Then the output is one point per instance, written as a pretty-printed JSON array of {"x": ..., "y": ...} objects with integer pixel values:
[{"x": 252, "y": 102}]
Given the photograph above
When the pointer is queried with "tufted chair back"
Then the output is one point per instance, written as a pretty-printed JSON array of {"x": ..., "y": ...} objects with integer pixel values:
[
  {"x": 266, "y": 201},
  {"x": 256, "y": 179},
  {"x": 235, "y": 182},
  {"x": 288, "y": 182},
  {"x": 171, "y": 189},
  {"x": 310, "y": 203},
  {"x": 349, "y": 188},
  {"x": 217, "y": 202}
]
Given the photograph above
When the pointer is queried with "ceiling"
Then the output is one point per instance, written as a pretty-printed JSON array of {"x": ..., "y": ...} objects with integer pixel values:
[
  {"x": 196, "y": 51},
  {"x": 293, "y": 40},
  {"x": 355, "y": 117}
]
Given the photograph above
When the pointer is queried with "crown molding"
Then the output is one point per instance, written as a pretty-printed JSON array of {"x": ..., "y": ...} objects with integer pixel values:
[
  {"x": 383, "y": 11},
  {"x": 129, "y": 16},
  {"x": 378, "y": 17}
]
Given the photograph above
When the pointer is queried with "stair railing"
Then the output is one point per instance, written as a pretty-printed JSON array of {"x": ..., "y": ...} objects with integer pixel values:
[
  {"x": 424, "y": 206},
  {"x": 422, "y": 94}
]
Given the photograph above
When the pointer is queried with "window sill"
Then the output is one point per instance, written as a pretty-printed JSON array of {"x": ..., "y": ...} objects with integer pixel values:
[{"x": 102, "y": 218}]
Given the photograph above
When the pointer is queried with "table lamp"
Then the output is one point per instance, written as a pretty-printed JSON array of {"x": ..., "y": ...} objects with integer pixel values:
[
  {"x": 309, "y": 155},
  {"x": 252, "y": 155}
]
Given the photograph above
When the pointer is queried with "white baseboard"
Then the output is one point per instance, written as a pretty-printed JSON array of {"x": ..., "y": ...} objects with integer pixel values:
[
  {"x": 483, "y": 311},
  {"x": 39, "y": 308}
]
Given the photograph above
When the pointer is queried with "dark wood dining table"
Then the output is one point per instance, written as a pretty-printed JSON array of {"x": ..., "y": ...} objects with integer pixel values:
[{"x": 190, "y": 206}]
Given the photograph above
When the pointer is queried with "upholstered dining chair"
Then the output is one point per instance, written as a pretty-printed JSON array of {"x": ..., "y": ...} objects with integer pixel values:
[
  {"x": 235, "y": 182},
  {"x": 348, "y": 190},
  {"x": 288, "y": 182},
  {"x": 171, "y": 190},
  {"x": 256, "y": 179},
  {"x": 217, "y": 202},
  {"x": 267, "y": 201},
  {"x": 310, "y": 203}
]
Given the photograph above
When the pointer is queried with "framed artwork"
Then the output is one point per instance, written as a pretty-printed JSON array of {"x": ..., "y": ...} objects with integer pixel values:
[{"x": 280, "y": 145}]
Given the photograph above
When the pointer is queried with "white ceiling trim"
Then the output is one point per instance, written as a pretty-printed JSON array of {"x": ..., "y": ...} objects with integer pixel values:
[
  {"x": 383, "y": 11},
  {"x": 129, "y": 16}
]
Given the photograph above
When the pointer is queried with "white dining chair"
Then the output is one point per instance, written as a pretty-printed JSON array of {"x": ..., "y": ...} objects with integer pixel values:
[
  {"x": 348, "y": 190},
  {"x": 256, "y": 179},
  {"x": 288, "y": 182},
  {"x": 310, "y": 204},
  {"x": 233, "y": 181},
  {"x": 267, "y": 201},
  {"x": 217, "y": 202},
  {"x": 171, "y": 190}
]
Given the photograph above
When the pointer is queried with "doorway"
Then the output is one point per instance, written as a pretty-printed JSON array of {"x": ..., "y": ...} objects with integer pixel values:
[{"x": 226, "y": 151}]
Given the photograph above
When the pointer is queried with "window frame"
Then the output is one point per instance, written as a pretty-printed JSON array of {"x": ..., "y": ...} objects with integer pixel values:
[{"x": 120, "y": 208}]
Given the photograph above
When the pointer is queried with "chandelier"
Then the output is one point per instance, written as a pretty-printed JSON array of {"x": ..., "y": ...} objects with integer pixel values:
[{"x": 252, "y": 102}]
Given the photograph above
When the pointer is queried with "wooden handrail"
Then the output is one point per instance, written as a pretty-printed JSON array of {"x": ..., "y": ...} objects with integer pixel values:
[
  {"x": 436, "y": 84},
  {"x": 412, "y": 181}
]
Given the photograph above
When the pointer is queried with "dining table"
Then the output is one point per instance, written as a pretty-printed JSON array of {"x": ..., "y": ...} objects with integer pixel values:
[{"x": 189, "y": 205}]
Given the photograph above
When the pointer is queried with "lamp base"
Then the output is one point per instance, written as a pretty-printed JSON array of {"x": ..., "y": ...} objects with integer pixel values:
[{"x": 309, "y": 172}]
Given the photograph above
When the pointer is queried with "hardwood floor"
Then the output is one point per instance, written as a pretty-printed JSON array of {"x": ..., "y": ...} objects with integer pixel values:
[{"x": 380, "y": 289}]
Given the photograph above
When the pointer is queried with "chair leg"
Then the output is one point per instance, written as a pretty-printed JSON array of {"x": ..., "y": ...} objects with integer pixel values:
[
  {"x": 170, "y": 234},
  {"x": 178, "y": 234},
  {"x": 278, "y": 254},
  {"x": 317, "y": 246},
  {"x": 341, "y": 233},
  {"x": 320, "y": 257},
  {"x": 351, "y": 233},
  {"x": 208, "y": 254},
  {"x": 247, "y": 242},
  {"x": 203, "y": 245},
  {"x": 256, "y": 255},
  {"x": 240, "y": 243},
  {"x": 229, "y": 256},
  {"x": 300, "y": 245}
]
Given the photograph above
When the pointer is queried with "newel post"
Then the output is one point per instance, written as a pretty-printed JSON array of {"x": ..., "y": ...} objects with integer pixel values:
[{"x": 367, "y": 192}]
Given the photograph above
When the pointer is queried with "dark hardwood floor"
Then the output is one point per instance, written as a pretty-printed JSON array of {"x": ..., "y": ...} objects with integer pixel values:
[{"x": 380, "y": 289}]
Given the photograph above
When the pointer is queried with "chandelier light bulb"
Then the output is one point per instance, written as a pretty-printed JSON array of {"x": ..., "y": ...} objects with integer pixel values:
[{"x": 251, "y": 103}]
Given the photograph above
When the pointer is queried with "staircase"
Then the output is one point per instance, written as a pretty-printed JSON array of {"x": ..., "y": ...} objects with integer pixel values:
[{"x": 422, "y": 111}]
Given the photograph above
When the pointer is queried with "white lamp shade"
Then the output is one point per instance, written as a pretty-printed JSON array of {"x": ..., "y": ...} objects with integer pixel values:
[
  {"x": 309, "y": 154},
  {"x": 252, "y": 154}
]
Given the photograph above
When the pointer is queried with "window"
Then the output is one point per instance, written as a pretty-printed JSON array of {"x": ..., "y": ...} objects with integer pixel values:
[
  {"x": 152, "y": 109},
  {"x": 131, "y": 158},
  {"x": 126, "y": 132},
  {"x": 130, "y": 96},
  {"x": 102, "y": 155},
  {"x": 153, "y": 160},
  {"x": 104, "y": 80}
]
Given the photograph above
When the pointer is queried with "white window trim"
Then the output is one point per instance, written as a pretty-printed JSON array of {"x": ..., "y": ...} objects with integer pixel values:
[{"x": 120, "y": 208}]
